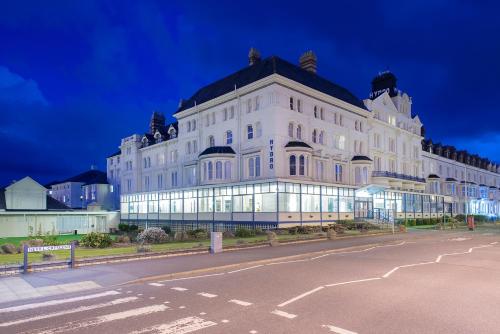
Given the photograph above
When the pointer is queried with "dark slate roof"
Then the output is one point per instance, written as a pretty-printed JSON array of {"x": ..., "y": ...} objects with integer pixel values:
[
  {"x": 296, "y": 143},
  {"x": 468, "y": 182},
  {"x": 265, "y": 68},
  {"x": 218, "y": 150},
  {"x": 493, "y": 187},
  {"x": 450, "y": 179},
  {"x": 89, "y": 177},
  {"x": 360, "y": 158},
  {"x": 483, "y": 185},
  {"x": 433, "y": 176},
  {"x": 119, "y": 152},
  {"x": 52, "y": 203}
]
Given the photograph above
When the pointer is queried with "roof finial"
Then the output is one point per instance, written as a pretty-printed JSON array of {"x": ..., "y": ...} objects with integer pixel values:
[{"x": 253, "y": 56}]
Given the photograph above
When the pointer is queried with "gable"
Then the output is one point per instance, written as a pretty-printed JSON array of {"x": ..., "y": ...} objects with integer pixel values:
[{"x": 385, "y": 101}]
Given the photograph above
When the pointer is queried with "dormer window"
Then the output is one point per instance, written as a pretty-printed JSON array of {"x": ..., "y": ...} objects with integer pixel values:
[{"x": 172, "y": 133}]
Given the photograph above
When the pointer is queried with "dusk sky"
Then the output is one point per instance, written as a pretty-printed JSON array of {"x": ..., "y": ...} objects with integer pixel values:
[{"x": 77, "y": 76}]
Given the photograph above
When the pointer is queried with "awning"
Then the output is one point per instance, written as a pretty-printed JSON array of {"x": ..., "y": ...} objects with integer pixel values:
[{"x": 369, "y": 190}]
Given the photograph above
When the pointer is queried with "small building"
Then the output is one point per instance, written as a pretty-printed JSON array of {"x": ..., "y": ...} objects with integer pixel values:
[
  {"x": 90, "y": 187},
  {"x": 26, "y": 209}
]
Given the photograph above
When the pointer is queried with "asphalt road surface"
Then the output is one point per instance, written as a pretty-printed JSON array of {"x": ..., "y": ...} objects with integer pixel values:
[{"x": 436, "y": 282}]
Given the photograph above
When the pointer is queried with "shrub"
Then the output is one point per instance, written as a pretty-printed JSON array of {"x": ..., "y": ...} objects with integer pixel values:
[
  {"x": 96, "y": 240},
  {"x": 242, "y": 232},
  {"x": 152, "y": 235},
  {"x": 197, "y": 234},
  {"x": 48, "y": 256},
  {"x": 143, "y": 249},
  {"x": 32, "y": 243},
  {"x": 8, "y": 249},
  {"x": 167, "y": 229},
  {"x": 133, "y": 227},
  {"x": 124, "y": 239},
  {"x": 123, "y": 227},
  {"x": 50, "y": 240}
]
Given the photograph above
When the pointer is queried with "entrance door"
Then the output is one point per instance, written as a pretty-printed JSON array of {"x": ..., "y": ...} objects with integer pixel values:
[{"x": 363, "y": 208}]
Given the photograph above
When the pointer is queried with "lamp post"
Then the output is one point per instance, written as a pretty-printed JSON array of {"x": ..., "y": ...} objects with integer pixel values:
[{"x": 465, "y": 184}]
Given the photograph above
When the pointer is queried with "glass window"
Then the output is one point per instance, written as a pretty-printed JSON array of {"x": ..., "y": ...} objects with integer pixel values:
[
  {"x": 249, "y": 131},
  {"x": 210, "y": 170},
  {"x": 229, "y": 137},
  {"x": 310, "y": 203},
  {"x": 290, "y": 130},
  {"x": 251, "y": 167},
  {"x": 227, "y": 170},
  {"x": 293, "y": 165},
  {"x": 289, "y": 202},
  {"x": 302, "y": 165},
  {"x": 218, "y": 170},
  {"x": 257, "y": 166},
  {"x": 299, "y": 131}
]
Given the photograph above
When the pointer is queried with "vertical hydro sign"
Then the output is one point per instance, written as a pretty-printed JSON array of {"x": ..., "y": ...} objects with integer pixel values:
[{"x": 271, "y": 154}]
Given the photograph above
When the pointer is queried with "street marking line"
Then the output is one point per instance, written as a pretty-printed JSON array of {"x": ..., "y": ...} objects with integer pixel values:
[
  {"x": 284, "y": 314},
  {"x": 156, "y": 284},
  {"x": 192, "y": 277},
  {"x": 132, "y": 313},
  {"x": 180, "y": 326},
  {"x": 57, "y": 302},
  {"x": 235, "y": 271},
  {"x": 355, "y": 281},
  {"x": 338, "y": 330},
  {"x": 240, "y": 302},
  {"x": 301, "y": 296},
  {"x": 494, "y": 243},
  {"x": 284, "y": 262},
  {"x": 208, "y": 295},
  {"x": 178, "y": 289},
  {"x": 70, "y": 311}
]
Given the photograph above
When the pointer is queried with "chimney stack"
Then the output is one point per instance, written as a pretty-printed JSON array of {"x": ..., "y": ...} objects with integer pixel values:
[
  {"x": 308, "y": 61},
  {"x": 157, "y": 121},
  {"x": 253, "y": 56}
]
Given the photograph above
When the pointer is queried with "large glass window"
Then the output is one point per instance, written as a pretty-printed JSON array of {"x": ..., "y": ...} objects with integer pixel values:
[
  {"x": 205, "y": 200},
  {"x": 346, "y": 200},
  {"x": 289, "y": 197},
  {"x": 229, "y": 137},
  {"x": 190, "y": 201},
  {"x": 223, "y": 199},
  {"x": 176, "y": 202},
  {"x": 265, "y": 198},
  {"x": 227, "y": 170},
  {"x": 310, "y": 198},
  {"x": 210, "y": 170},
  {"x": 330, "y": 199},
  {"x": 242, "y": 199}
]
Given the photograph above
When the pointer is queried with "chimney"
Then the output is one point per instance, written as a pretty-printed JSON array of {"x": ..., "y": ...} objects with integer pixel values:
[
  {"x": 253, "y": 56},
  {"x": 308, "y": 61},
  {"x": 157, "y": 121}
]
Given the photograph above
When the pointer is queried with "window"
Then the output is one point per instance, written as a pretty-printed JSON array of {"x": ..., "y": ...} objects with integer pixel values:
[
  {"x": 377, "y": 161},
  {"x": 290, "y": 130},
  {"x": 213, "y": 118},
  {"x": 341, "y": 120},
  {"x": 391, "y": 120},
  {"x": 302, "y": 165},
  {"x": 316, "y": 112},
  {"x": 211, "y": 141},
  {"x": 392, "y": 145},
  {"x": 210, "y": 170},
  {"x": 340, "y": 142},
  {"x": 258, "y": 129},
  {"x": 231, "y": 113},
  {"x": 195, "y": 146},
  {"x": 160, "y": 181},
  {"x": 251, "y": 167},
  {"x": 146, "y": 183},
  {"x": 357, "y": 175},
  {"x": 293, "y": 165},
  {"x": 257, "y": 166},
  {"x": 188, "y": 126},
  {"x": 321, "y": 114},
  {"x": 376, "y": 140},
  {"x": 315, "y": 136},
  {"x": 174, "y": 179},
  {"x": 188, "y": 147},
  {"x": 321, "y": 136},
  {"x": 392, "y": 165},
  {"x": 249, "y": 105},
  {"x": 224, "y": 114},
  {"x": 356, "y": 125},
  {"x": 229, "y": 137},
  {"x": 193, "y": 126},
  {"x": 335, "y": 118},
  {"x": 257, "y": 103},
  {"x": 227, "y": 170},
  {"x": 299, "y": 131},
  {"x": 338, "y": 173},
  {"x": 207, "y": 120},
  {"x": 249, "y": 132},
  {"x": 320, "y": 168},
  {"x": 299, "y": 105},
  {"x": 218, "y": 170},
  {"x": 291, "y": 103}
]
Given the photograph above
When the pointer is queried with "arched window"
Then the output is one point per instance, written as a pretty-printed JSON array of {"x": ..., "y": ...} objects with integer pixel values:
[
  {"x": 257, "y": 166},
  {"x": 204, "y": 171},
  {"x": 321, "y": 114},
  {"x": 227, "y": 170},
  {"x": 211, "y": 141},
  {"x": 293, "y": 165},
  {"x": 218, "y": 170},
  {"x": 365, "y": 175},
  {"x": 210, "y": 170},
  {"x": 302, "y": 166},
  {"x": 188, "y": 126},
  {"x": 229, "y": 137},
  {"x": 251, "y": 167},
  {"x": 357, "y": 175},
  {"x": 258, "y": 129},
  {"x": 193, "y": 126},
  {"x": 315, "y": 136},
  {"x": 316, "y": 112},
  {"x": 299, "y": 131},
  {"x": 321, "y": 135},
  {"x": 356, "y": 125},
  {"x": 249, "y": 131},
  {"x": 290, "y": 130}
]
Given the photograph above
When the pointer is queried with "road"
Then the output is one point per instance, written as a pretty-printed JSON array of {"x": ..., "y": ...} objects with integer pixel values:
[{"x": 436, "y": 282}]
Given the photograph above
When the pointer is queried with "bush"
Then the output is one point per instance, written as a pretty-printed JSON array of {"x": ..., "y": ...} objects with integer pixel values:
[
  {"x": 123, "y": 227},
  {"x": 124, "y": 239},
  {"x": 198, "y": 234},
  {"x": 167, "y": 229},
  {"x": 152, "y": 235},
  {"x": 96, "y": 240},
  {"x": 32, "y": 243},
  {"x": 50, "y": 240},
  {"x": 133, "y": 227},
  {"x": 242, "y": 232},
  {"x": 143, "y": 249},
  {"x": 8, "y": 249}
]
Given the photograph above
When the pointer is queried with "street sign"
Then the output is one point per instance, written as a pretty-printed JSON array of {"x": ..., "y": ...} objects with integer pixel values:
[
  {"x": 48, "y": 248},
  {"x": 70, "y": 247}
]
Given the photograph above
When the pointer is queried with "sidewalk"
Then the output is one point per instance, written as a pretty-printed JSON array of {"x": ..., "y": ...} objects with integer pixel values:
[{"x": 41, "y": 284}]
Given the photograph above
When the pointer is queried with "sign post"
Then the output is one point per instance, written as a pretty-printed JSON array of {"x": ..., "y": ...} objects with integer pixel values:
[{"x": 28, "y": 249}]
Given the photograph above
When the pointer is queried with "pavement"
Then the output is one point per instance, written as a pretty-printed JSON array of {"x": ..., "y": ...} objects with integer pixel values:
[{"x": 425, "y": 282}]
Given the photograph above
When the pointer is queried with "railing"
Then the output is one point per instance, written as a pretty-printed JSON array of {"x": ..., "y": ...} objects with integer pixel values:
[{"x": 397, "y": 176}]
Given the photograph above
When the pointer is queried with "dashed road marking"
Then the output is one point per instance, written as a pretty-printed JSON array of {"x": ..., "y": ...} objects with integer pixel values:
[
  {"x": 355, "y": 281},
  {"x": 180, "y": 326},
  {"x": 240, "y": 302},
  {"x": 208, "y": 295},
  {"x": 301, "y": 296},
  {"x": 253, "y": 331},
  {"x": 224, "y": 321},
  {"x": 338, "y": 330},
  {"x": 57, "y": 302},
  {"x": 69, "y": 311},
  {"x": 192, "y": 277},
  {"x": 178, "y": 289},
  {"x": 238, "y": 270},
  {"x": 156, "y": 284},
  {"x": 284, "y": 314},
  {"x": 182, "y": 307}
]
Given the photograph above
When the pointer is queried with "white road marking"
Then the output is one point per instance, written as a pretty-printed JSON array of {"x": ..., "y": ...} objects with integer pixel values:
[
  {"x": 284, "y": 314},
  {"x": 202, "y": 313},
  {"x": 156, "y": 284},
  {"x": 224, "y": 321},
  {"x": 57, "y": 302},
  {"x": 192, "y": 277},
  {"x": 338, "y": 330},
  {"x": 70, "y": 311},
  {"x": 460, "y": 239},
  {"x": 235, "y": 271},
  {"x": 178, "y": 289},
  {"x": 180, "y": 326},
  {"x": 240, "y": 302},
  {"x": 355, "y": 281},
  {"x": 389, "y": 273},
  {"x": 152, "y": 298},
  {"x": 301, "y": 296},
  {"x": 208, "y": 295},
  {"x": 253, "y": 331},
  {"x": 284, "y": 262},
  {"x": 494, "y": 243},
  {"x": 71, "y": 326},
  {"x": 182, "y": 307}
]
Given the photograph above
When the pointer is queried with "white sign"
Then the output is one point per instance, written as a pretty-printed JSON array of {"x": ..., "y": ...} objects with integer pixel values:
[
  {"x": 48, "y": 248},
  {"x": 271, "y": 154}
]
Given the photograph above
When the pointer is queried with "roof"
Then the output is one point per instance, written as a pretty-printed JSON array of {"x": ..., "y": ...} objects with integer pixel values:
[
  {"x": 433, "y": 176},
  {"x": 119, "y": 152},
  {"x": 218, "y": 150},
  {"x": 296, "y": 143},
  {"x": 52, "y": 203},
  {"x": 450, "y": 179},
  {"x": 89, "y": 177},
  {"x": 360, "y": 158},
  {"x": 265, "y": 68}
]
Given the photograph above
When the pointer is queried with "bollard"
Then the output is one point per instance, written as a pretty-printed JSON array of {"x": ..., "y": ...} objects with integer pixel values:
[
  {"x": 215, "y": 242},
  {"x": 72, "y": 256},
  {"x": 25, "y": 266}
]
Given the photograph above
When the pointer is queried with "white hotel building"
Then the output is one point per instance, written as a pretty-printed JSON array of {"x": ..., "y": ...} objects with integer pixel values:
[{"x": 275, "y": 144}]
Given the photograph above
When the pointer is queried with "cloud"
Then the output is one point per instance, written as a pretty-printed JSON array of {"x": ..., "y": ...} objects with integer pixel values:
[{"x": 16, "y": 89}]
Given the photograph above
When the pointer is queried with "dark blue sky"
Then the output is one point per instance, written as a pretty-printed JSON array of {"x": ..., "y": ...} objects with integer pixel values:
[{"x": 76, "y": 76}]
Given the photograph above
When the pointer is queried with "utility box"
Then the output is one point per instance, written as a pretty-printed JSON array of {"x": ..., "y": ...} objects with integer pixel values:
[{"x": 215, "y": 242}]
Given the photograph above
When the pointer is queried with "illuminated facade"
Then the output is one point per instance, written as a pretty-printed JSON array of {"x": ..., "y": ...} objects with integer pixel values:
[{"x": 275, "y": 144}]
